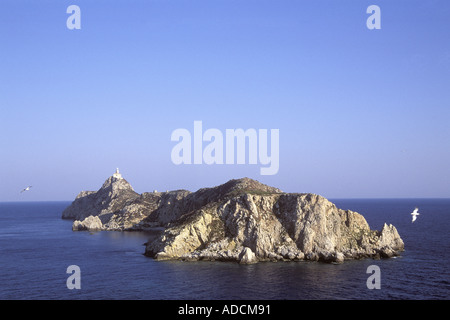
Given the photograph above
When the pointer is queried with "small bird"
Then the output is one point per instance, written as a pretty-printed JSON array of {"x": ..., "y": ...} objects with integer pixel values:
[
  {"x": 26, "y": 189},
  {"x": 414, "y": 214}
]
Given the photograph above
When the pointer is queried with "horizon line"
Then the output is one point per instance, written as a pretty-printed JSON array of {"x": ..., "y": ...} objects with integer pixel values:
[{"x": 331, "y": 198}]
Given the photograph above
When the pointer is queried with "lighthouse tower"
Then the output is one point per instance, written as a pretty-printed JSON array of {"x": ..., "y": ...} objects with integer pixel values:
[{"x": 117, "y": 175}]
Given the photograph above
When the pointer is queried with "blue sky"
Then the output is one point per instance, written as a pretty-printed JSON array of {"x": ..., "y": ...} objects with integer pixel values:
[{"x": 361, "y": 113}]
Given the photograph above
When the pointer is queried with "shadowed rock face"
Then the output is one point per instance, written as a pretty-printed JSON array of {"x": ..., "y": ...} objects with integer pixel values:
[{"x": 241, "y": 220}]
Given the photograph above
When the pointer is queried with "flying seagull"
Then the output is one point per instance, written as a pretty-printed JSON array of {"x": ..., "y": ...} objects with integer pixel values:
[
  {"x": 414, "y": 214},
  {"x": 26, "y": 189}
]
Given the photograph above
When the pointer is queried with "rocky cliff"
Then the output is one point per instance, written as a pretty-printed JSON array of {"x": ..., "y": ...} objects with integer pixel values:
[{"x": 241, "y": 220}]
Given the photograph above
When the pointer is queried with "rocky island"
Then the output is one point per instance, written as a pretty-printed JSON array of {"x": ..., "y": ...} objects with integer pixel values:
[{"x": 242, "y": 220}]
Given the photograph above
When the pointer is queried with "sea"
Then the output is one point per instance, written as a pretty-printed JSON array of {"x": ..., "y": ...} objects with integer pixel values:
[{"x": 37, "y": 248}]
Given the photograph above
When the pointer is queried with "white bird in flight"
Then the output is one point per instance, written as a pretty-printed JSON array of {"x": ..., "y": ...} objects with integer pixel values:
[
  {"x": 414, "y": 214},
  {"x": 26, "y": 189}
]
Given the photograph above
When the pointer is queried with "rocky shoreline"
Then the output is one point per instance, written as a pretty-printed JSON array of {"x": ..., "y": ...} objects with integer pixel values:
[{"x": 241, "y": 220}]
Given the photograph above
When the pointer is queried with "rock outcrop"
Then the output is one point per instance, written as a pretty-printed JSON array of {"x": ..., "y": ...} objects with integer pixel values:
[
  {"x": 91, "y": 223},
  {"x": 247, "y": 256},
  {"x": 114, "y": 194},
  {"x": 241, "y": 220}
]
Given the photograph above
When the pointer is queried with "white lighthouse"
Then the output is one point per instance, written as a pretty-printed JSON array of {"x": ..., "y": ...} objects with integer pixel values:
[{"x": 117, "y": 175}]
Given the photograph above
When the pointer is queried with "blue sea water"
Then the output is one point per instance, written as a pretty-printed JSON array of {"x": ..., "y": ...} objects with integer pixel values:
[{"x": 37, "y": 246}]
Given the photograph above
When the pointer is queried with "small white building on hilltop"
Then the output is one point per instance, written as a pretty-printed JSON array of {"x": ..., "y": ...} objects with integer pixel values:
[{"x": 117, "y": 175}]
